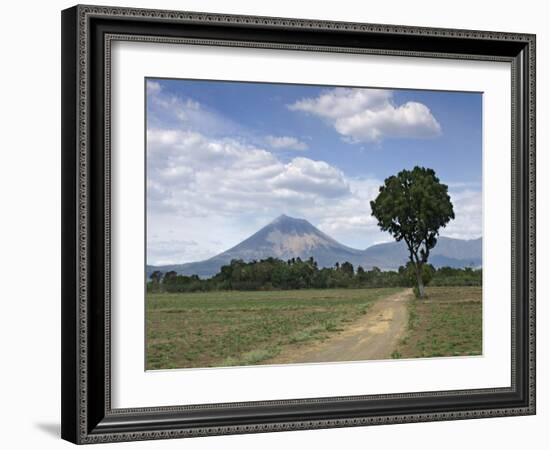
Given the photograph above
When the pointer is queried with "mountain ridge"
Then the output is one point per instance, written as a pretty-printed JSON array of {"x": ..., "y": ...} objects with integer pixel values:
[{"x": 288, "y": 237}]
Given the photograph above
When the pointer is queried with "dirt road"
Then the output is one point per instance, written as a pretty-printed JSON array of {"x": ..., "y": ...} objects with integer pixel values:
[{"x": 374, "y": 336}]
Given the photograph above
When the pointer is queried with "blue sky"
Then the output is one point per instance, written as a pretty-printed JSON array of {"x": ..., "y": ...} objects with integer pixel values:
[{"x": 225, "y": 158}]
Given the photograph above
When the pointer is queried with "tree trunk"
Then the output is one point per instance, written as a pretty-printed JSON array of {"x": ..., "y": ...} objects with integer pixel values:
[{"x": 419, "y": 281}]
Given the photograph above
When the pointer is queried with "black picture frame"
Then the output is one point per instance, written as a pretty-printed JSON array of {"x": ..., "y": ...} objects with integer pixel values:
[{"x": 87, "y": 416}]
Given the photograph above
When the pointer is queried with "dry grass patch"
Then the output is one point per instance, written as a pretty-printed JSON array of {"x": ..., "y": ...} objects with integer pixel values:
[{"x": 447, "y": 323}]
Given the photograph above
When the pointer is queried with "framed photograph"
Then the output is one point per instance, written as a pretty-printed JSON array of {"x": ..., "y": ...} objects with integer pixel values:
[{"x": 277, "y": 224}]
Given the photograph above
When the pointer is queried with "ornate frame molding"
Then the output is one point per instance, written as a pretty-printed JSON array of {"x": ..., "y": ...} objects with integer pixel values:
[{"x": 87, "y": 422}]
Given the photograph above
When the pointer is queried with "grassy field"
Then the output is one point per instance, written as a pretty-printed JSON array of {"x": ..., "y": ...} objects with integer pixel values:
[
  {"x": 447, "y": 323},
  {"x": 243, "y": 328}
]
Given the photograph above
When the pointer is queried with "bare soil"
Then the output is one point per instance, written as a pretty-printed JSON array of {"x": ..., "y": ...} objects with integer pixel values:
[{"x": 373, "y": 336}]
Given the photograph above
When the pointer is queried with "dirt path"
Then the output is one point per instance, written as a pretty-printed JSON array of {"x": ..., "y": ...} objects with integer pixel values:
[{"x": 374, "y": 336}]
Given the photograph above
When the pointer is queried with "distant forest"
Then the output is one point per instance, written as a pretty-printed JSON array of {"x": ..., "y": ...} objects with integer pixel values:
[{"x": 276, "y": 274}]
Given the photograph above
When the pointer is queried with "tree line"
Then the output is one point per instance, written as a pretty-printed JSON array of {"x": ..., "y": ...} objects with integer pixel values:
[{"x": 276, "y": 274}]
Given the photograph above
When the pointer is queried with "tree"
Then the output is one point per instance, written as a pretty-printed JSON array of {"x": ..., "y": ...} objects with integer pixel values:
[
  {"x": 427, "y": 272},
  {"x": 156, "y": 276},
  {"x": 413, "y": 205},
  {"x": 168, "y": 276},
  {"x": 347, "y": 268}
]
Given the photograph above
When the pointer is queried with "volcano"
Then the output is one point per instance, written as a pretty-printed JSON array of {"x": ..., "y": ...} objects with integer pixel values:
[{"x": 288, "y": 237}]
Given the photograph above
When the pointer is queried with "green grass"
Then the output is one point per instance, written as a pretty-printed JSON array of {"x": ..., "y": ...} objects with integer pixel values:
[
  {"x": 230, "y": 328},
  {"x": 447, "y": 323}
]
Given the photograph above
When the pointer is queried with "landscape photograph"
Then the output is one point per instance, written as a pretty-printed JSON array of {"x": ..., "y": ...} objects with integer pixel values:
[{"x": 295, "y": 224}]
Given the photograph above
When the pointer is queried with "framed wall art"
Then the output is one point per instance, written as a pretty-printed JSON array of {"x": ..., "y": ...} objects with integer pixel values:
[{"x": 278, "y": 224}]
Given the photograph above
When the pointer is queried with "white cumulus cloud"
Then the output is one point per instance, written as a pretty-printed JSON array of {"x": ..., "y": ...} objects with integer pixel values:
[
  {"x": 166, "y": 110},
  {"x": 370, "y": 115},
  {"x": 317, "y": 177},
  {"x": 468, "y": 208},
  {"x": 153, "y": 87},
  {"x": 192, "y": 174},
  {"x": 286, "y": 143}
]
